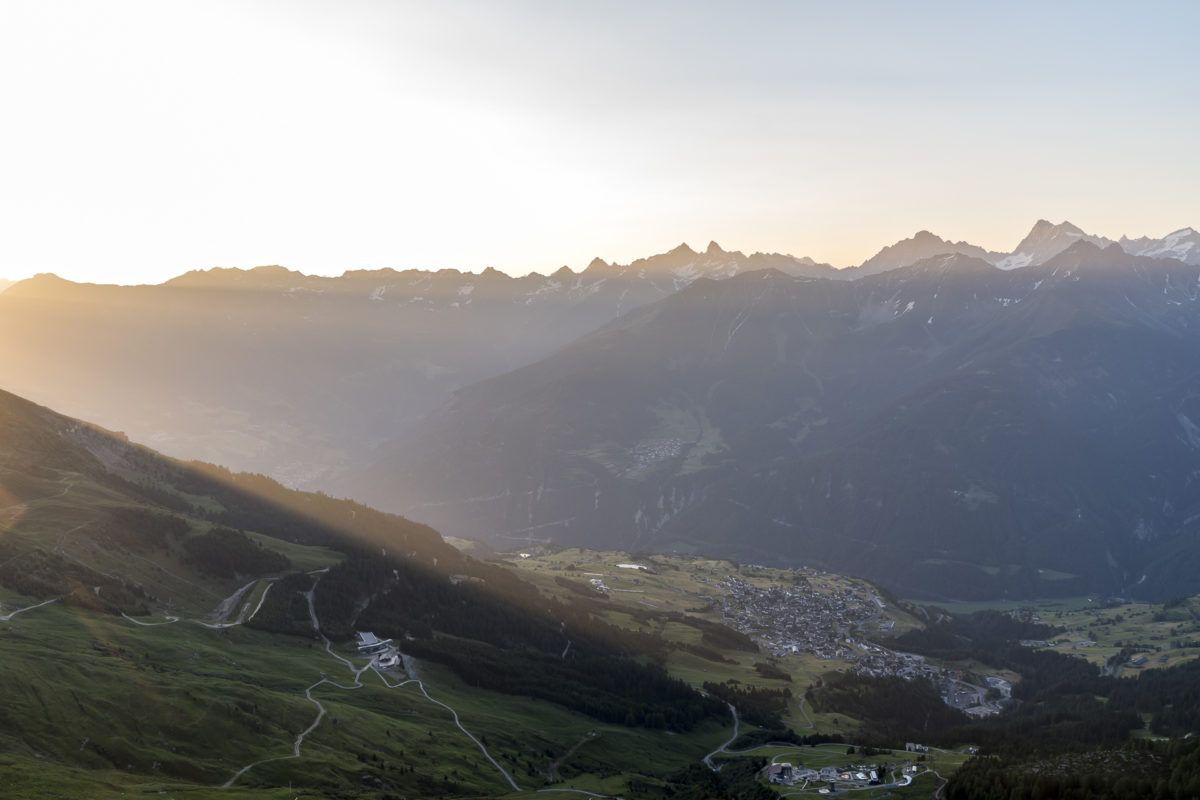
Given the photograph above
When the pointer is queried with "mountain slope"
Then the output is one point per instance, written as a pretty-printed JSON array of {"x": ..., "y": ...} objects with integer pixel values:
[
  {"x": 84, "y": 507},
  {"x": 300, "y": 376},
  {"x": 1181, "y": 245},
  {"x": 922, "y": 245},
  {"x": 296, "y": 376},
  {"x": 947, "y": 427},
  {"x": 1044, "y": 241},
  {"x": 136, "y": 652}
]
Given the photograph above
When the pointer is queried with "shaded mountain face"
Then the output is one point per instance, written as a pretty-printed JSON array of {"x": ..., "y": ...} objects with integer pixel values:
[
  {"x": 948, "y": 429},
  {"x": 909, "y": 251},
  {"x": 94, "y": 520},
  {"x": 298, "y": 376},
  {"x": 273, "y": 371},
  {"x": 1045, "y": 241}
]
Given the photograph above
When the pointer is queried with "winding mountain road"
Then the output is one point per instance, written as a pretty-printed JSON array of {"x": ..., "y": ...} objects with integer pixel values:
[
  {"x": 357, "y": 672},
  {"x": 807, "y": 718},
  {"x": 708, "y": 759},
  {"x": 11, "y": 614}
]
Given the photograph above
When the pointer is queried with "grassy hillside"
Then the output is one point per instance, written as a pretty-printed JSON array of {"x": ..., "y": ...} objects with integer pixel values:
[
  {"x": 158, "y": 621},
  {"x": 176, "y": 629},
  {"x": 97, "y": 701}
]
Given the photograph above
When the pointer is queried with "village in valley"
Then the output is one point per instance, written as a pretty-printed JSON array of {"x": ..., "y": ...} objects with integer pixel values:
[
  {"x": 833, "y": 625},
  {"x": 797, "y": 612}
]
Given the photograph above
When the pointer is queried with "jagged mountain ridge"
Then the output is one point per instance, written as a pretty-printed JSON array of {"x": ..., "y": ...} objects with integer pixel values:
[
  {"x": 948, "y": 428},
  {"x": 1044, "y": 241},
  {"x": 299, "y": 376},
  {"x": 923, "y": 244},
  {"x": 1182, "y": 245},
  {"x": 294, "y": 375}
]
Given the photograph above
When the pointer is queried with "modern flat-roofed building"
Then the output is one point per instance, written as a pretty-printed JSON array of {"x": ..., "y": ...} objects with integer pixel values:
[{"x": 369, "y": 644}]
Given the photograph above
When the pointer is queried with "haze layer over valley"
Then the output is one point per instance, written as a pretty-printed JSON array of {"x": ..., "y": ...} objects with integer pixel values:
[
  {"x": 320, "y": 477},
  {"x": 763, "y": 406},
  {"x": 299, "y": 376},
  {"x": 947, "y": 428}
]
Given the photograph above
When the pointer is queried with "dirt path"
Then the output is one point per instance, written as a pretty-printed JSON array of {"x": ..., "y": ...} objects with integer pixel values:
[
  {"x": 295, "y": 745},
  {"x": 938, "y": 792},
  {"x": 723, "y": 748},
  {"x": 471, "y": 736},
  {"x": 357, "y": 672},
  {"x": 149, "y": 624},
  {"x": 807, "y": 718},
  {"x": 244, "y": 617},
  {"x": 11, "y": 614}
]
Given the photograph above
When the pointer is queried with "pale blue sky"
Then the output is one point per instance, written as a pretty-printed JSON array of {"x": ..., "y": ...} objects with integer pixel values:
[{"x": 143, "y": 139}]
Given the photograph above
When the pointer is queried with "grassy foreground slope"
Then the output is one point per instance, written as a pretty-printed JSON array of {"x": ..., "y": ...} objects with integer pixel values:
[
  {"x": 173, "y": 629},
  {"x": 98, "y": 706},
  {"x": 158, "y": 622}
]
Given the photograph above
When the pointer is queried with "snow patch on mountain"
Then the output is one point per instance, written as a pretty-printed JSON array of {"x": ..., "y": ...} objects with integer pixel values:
[
  {"x": 1190, "y": 430},
  {"x": 1015, "y": 261},
  {"x": 1183, "y": 245},
  {"x": 1044, "y": 241}
]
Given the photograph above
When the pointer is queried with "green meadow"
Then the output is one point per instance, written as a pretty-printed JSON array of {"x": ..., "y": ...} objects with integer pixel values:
[{"x": 181, "y": 708}]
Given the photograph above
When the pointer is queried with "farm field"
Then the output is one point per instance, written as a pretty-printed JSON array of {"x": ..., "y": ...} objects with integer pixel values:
[{"x": 1110, "y": 634}]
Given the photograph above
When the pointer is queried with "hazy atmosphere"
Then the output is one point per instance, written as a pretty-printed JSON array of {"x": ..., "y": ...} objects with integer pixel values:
[
  {"x": 518, "y": 400},
  {"x": 148, "y": 138}
]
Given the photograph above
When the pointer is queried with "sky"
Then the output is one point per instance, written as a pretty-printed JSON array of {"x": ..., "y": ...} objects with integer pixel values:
[{"x": 145, "y": 139}]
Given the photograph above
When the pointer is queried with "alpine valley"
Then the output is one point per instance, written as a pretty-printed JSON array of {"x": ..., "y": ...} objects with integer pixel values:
[
  {"x": 174, "y": 629},
  {"x": 949, "y": 429},
  {"x": 948, "y": 421},
  {"x": 705, "y": 526}
]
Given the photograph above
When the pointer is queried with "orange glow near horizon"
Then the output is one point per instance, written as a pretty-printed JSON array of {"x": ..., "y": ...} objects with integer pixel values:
[{"x": 158, "y": 138}]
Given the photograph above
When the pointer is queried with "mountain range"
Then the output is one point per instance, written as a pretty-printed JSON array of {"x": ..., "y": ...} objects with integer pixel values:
[
  {"x": 273, "y": 371},
  {"x": 949, "y": 429},
  {"x": 616, "y": 404},
  {"x": 300, "y": 376}
]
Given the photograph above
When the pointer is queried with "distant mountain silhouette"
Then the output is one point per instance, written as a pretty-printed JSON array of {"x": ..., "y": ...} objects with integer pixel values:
[
  {"x": 949, "y": 429},
  {"x": 297, "y": 376},
  {"x": 304, "y": 378},
  {"x": 1045, "y": 241},
  {"x": 1183, "y": 245},
  {"x": 922, "y": 245}
]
